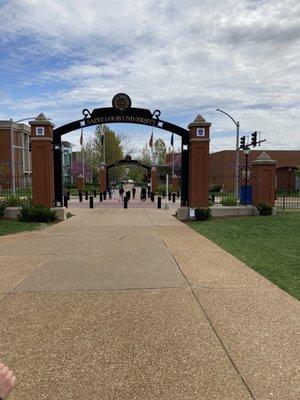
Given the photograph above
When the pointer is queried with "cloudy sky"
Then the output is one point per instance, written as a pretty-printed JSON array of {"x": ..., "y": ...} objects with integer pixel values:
[{"x": 182, "y": 57}]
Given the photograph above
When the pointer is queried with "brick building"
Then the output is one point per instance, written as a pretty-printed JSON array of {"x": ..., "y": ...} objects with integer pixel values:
[
  {"x": 222, "y": 165},
  {"x": 21, "y": 149},
  {"x": 22, "y": 156}
]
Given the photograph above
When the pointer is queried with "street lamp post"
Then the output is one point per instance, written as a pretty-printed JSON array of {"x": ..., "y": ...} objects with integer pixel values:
[
  {"x": 246, "y": 152},
  {"x": 237, "y": 154},
  {"x": 12, "y": 152}
]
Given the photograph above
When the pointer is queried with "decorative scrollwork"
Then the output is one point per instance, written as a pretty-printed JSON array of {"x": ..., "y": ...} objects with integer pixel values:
[
  {"x": 156, "y": 114},
  {"x": 86, "y": 113}
]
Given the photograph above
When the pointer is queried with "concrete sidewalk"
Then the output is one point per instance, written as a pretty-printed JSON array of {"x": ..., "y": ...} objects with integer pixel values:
[{"x": 132, "y": 304}]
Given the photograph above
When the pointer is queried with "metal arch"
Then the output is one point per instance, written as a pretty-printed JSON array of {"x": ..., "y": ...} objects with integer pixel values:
[
  {"x": 131, "y": 162},
  {"x": 109, "y": 115}
]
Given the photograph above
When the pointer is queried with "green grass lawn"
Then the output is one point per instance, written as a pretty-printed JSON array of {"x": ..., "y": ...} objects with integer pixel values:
[
  {"x": 8, "y": 227},
  {"x": 269, "y": 245}
]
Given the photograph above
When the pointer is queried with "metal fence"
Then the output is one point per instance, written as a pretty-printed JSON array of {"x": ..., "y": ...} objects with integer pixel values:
[
  {"x": 288, "y": 200},
  {"x": 23, "y": 186},
  {"x": 221, "y": 189}
]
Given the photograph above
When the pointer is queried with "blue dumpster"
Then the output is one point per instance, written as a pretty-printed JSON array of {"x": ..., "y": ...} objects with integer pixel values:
[{"x": 246, "y": 194}]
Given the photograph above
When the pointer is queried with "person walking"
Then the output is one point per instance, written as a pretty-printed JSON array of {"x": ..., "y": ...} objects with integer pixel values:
[
  {"x": 133, "y": 192},
  {"x": 121, "y": 193},
  {"x": 143, "y": 193}
]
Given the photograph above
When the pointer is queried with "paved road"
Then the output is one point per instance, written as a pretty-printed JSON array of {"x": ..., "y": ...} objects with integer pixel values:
[{"x": 131, "y": 304}]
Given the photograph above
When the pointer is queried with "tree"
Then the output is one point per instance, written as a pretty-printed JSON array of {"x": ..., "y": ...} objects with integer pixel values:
[
  {"x": 159, "y": 151},
  {"x": 77, "y": 168},
  {"x": 116, "y": 146},
  {"x": 155, "y": 155},
  {"x": 145, "y": 157},
  {"x": 138, "y": 174}
]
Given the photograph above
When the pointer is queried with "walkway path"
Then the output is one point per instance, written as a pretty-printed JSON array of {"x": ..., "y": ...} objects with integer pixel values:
[{"x": 131, "y": 304}]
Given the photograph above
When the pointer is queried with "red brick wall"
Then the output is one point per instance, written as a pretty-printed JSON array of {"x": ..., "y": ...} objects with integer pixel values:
[{"x": 223, "y": 161}]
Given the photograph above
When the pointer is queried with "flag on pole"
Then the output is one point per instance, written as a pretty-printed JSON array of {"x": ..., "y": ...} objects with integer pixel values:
[
  {"x": 81, "y": 138},
  {"x": 172, "y": 139},
  {"x": 151, "y": 140}
]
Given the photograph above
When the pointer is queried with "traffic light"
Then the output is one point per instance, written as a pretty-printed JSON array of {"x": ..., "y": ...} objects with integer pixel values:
[
  {"x": 243, "y": 139},
  {"x": 254, "y": 139}
]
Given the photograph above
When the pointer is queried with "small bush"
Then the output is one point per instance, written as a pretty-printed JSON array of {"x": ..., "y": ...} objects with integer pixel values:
[
  {"x": 229, "y": 201},
  {"x": 2, "y": 208},
  {"x": 160, "y": 188},
  {"x": 16, "y": 201},
  {"x": 264, "y": 209},
  {"x": 215, "y": 188},
  {"x": 31, "y": 213},
  {"x": 202, "y": 214}
]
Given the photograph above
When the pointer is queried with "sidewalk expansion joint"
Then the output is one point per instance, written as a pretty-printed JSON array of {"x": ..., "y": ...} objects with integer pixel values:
[
  {"x": 13, "y": 292},
  {"x": 50, "y": 255},
  {"x": 215, "y": 331}
]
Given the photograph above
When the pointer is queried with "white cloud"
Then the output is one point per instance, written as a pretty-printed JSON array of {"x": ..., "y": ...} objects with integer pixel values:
[{"x": 183, "y": 57}]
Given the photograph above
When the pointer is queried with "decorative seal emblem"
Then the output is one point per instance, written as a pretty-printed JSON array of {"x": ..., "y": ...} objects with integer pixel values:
[{"x": 121, "y": 101}]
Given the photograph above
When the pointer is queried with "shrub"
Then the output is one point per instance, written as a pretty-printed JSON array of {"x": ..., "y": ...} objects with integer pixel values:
[
  {"x": 202, "y": 214},
  {"x": 160, "y": 188},
  {"x": 264, "y": 209},
  {"x": 215, "y": 188},
  {"x": 31, "y": 213},
  {"x": 2, "y": 208},
  {"x": 16, "y": 201},
  {"x": 229, "y": 201}
]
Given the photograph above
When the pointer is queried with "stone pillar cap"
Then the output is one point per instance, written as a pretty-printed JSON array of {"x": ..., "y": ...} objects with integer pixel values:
[
  {"x": 199, "y": 121},
  {"x": 80, "y": 176},
  {"x": 263, "y": 158},
  {"x": 41, "y": 119}
]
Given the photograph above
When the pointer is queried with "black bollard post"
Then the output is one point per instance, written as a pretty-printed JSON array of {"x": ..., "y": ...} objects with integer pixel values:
[
  {"x": 101, "y": 196},
  {"x": 91, "y": 202},
  {"x": 159, "y": 202},
  {"x": 86, "y": 195},
  {"x": 149, "y": 193},
  {"x": 152, "y": 197},
  {"x": 95, "y": 193},
  {"x": 173, "y": 197},
  {"x": 66, "y": 201},
  {"x": 164, "y": 194},
  {"x": 178, "y": 193},
  {"x": 104, "y": 195},
  {"x": 68, "y": 195},
  {"x": 125, "y": 202},
  {"x": 169, "y": 196},
  {"x": 80, "y": 196}
]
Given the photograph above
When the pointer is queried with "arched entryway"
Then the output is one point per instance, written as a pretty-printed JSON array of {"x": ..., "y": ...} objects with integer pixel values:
[
  {"x": 104, "y": 182},
  {"x": 194, "y": 149}
]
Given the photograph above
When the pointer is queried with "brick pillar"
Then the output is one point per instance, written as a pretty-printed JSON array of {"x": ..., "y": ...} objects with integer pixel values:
[
  {"x": 153, "y": 179},
  {"x": 80, "y": 182},
  {"x": 102, "y": 178},
  {"x": 42, "y": 161},
  {"x": 199, "y": 162},
  {"x": 263, "y": 178}
]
